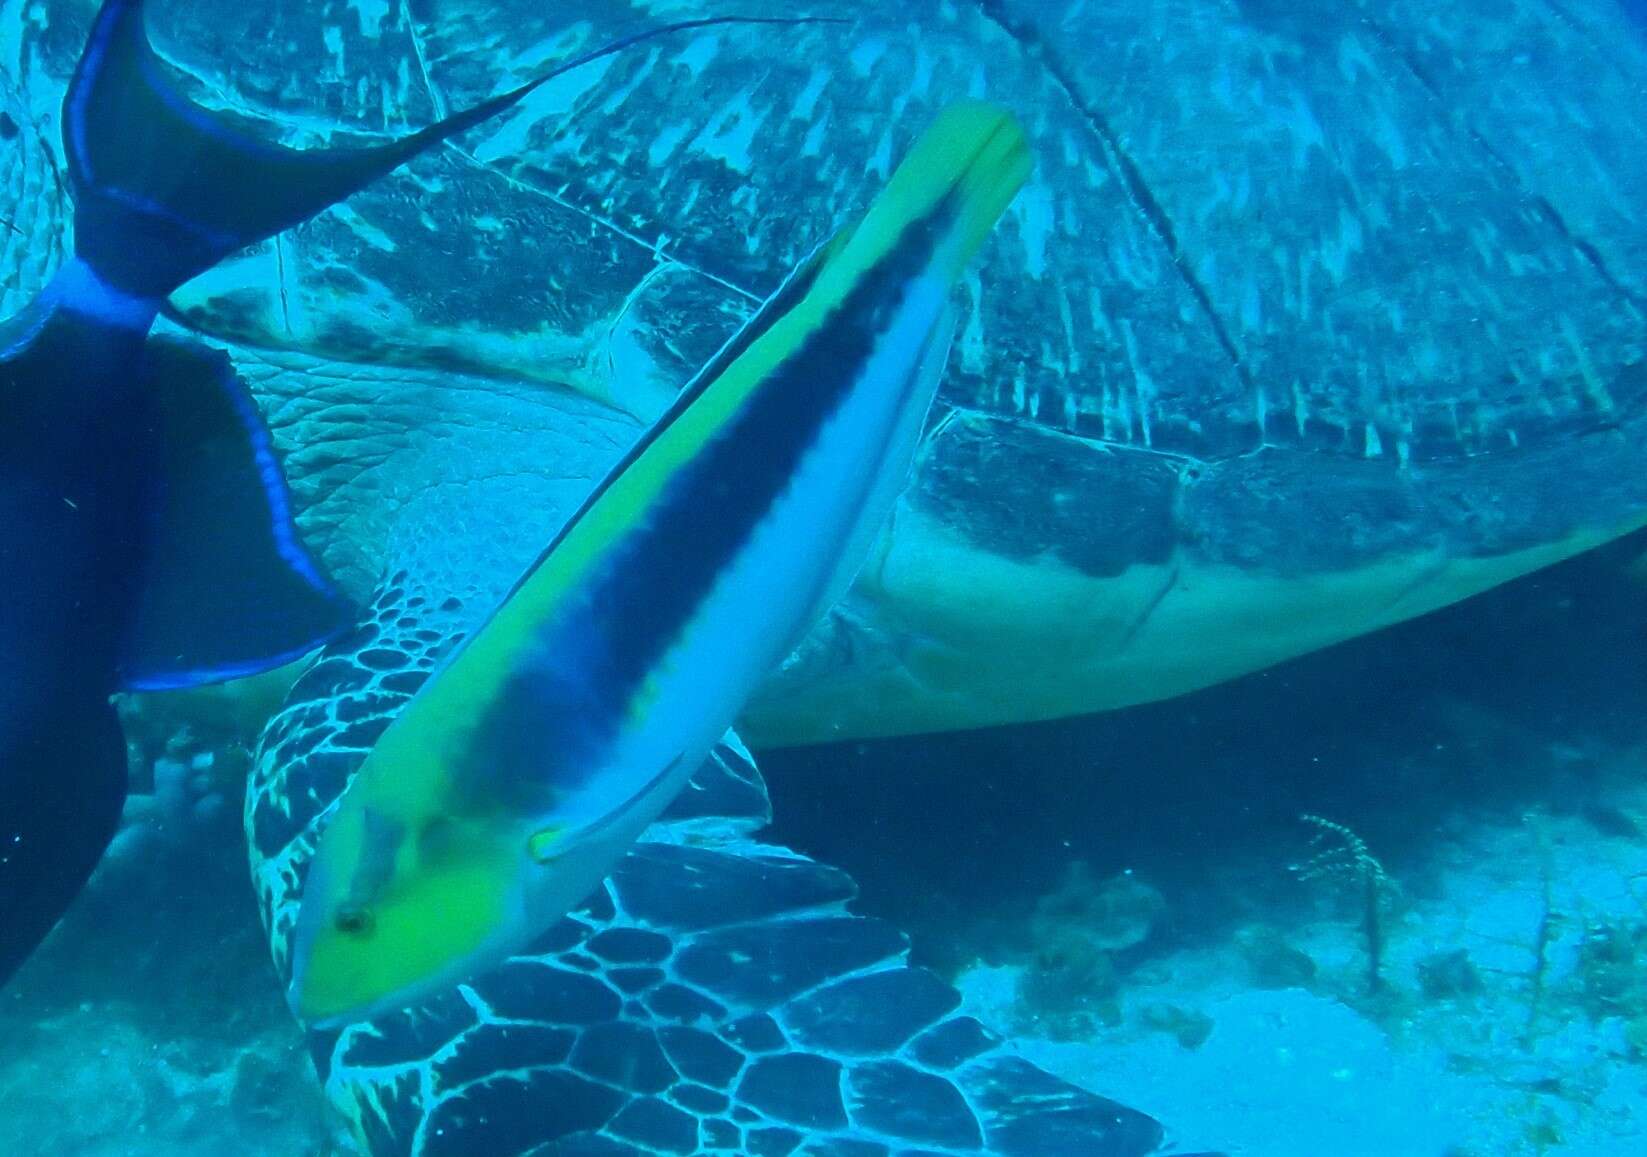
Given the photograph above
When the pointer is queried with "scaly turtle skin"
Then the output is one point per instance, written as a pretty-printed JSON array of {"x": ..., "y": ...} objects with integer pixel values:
[{"x": 1311, "y": 321}]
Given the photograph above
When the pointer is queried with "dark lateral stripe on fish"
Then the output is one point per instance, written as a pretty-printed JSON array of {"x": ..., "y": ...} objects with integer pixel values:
[
  {"x": 794, "y": 289},
  {"x": 636, "y": 612}
]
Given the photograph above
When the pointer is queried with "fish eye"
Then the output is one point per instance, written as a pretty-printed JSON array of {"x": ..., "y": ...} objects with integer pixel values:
[{"x": 353, "y": 921}]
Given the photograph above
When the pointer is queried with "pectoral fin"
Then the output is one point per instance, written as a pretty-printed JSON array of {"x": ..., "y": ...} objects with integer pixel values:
[{"x": 555, "y": 841}]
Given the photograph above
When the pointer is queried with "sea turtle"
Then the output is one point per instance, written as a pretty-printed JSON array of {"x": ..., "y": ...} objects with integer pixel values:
[{"x": 1304, "y": 327}]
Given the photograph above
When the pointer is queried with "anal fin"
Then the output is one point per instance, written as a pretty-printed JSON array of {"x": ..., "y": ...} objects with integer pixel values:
[
  {"x": 62, "y": 785},
  {"x": 229, "y": 588}
]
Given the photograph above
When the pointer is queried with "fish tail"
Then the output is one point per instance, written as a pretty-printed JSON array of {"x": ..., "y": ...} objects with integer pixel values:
[
  {"x": 164, "y": 189},
  {"x": 958, "y": 178}
]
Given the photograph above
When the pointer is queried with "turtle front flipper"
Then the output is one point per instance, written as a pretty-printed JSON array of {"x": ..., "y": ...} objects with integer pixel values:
[{"x": 714, "y": 995}]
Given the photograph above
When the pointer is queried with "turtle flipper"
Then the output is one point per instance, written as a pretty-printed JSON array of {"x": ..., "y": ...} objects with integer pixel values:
[{"x": 715, "y": 995}]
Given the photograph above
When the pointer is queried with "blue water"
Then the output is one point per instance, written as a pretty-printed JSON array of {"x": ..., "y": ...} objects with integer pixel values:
[{"x": 1292, "y": 294}]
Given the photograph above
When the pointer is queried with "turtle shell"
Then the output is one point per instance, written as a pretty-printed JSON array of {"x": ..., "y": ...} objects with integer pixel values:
[{"x": 1307, "y": 322}]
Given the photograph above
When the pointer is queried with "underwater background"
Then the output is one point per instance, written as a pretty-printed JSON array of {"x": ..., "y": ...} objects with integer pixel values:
[{"x": 1386, "y": 897}]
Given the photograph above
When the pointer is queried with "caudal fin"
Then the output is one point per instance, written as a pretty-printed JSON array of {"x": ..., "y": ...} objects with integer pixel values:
[
  {"x": 164, "y": 189},
  {"x": 62, "y": 785},
  {"x": 954, "y": 184}
]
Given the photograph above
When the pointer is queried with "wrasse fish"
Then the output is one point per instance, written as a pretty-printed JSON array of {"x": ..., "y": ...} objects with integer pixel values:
[{"x": 517, "y": 777}]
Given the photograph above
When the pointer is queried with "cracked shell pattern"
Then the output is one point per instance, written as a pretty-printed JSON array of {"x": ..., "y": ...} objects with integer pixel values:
[{"x": 715, "y": 995}]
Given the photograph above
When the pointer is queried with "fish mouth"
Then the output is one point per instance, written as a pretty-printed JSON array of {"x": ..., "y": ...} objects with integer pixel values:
[
  {"x": 331, "y": 1018},
  {"x": 299, "y": 1000},
  {"x": 346, "y": 1008},
  {"x": 295, "y": 1005}
]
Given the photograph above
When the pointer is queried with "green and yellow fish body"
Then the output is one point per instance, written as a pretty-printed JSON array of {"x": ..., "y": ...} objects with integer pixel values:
[{"x": 525, "y": 768}]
